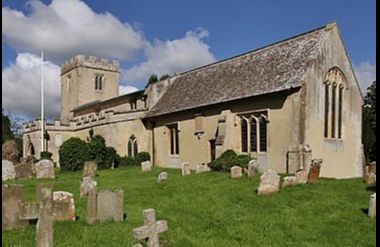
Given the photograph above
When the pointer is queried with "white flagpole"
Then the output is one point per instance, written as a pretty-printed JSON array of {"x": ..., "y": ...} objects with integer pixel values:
[{"x": 42, "y": 103}]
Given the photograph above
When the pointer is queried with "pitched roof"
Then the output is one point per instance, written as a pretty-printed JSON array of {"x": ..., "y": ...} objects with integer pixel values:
[{"x": 273, "y": 68}]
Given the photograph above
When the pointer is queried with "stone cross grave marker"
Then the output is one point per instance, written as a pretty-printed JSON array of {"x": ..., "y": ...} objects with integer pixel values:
[
  {"x": 43, "y": 211},
  {"x": 151, "y": 228}
]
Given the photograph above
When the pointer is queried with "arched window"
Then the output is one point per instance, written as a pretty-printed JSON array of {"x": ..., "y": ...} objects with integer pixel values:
[
  {"x": 132, "y": 146},
  {"x": 333, "y": 104},
  {"x": 253, "y": 134},
  {"x": 244, "y": 136},
  {"x": 263, "y": 134}
]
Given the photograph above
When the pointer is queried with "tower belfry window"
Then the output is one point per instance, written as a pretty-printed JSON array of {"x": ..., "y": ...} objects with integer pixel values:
[{"x": 99, "y": 82}]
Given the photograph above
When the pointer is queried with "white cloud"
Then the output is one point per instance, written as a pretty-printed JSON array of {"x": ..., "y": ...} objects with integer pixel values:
[
  {"x": 125, "y": 89},
  {"x": 172, "y": 56},
  {"x": 21, "y": 87},
  {"x": 366, "y": 74},
  {"x": 69, "y": 27}
]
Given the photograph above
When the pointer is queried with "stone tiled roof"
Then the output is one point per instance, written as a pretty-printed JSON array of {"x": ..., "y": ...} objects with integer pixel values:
[{"x": 273, "y": 68}]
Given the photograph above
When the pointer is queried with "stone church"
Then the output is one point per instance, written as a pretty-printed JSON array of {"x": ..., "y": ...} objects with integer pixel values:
[{"x": 284, "y": 103}]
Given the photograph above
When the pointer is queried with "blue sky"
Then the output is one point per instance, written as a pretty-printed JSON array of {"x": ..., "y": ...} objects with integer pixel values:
[{"x": 167, "y": 36}]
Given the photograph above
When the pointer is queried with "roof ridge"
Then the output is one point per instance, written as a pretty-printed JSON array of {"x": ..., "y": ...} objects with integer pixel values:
[{"x": 260, "y": 48}]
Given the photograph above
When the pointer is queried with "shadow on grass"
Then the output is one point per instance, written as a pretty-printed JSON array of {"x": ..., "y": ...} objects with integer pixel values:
[
  {"x": 371, "y": 188},
  {"x": 365, "y": 211}
]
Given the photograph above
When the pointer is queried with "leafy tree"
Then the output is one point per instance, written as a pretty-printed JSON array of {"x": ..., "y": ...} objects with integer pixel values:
[
  {"x": 152, "y": 79},
  {"x": 6, "y": 132},
  {"x": 369, "y": 123},
  {"x": 98, "y": 151},
  {"x": 73, "y": 153},
  {"x": 164, "y": 77}
]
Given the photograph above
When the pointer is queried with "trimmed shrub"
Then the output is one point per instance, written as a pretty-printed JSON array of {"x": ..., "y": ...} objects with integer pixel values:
[
  {"x": 229, "y": 159},
  {"x": 73, "y": 153},
  {"x": 45, "y": 155},
  {"x": 111, "y": 157},
  {"x": 97, "y": 146},
  {"x": 134, "y": 161},
  {"x": 142, "y": 156}
]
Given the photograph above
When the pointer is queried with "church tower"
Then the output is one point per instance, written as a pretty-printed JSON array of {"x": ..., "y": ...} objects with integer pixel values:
[{"x": 85, "y": 80}]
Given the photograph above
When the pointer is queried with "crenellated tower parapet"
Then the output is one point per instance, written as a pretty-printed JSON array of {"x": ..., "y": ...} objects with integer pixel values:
[{"x": 91, "y": 61}]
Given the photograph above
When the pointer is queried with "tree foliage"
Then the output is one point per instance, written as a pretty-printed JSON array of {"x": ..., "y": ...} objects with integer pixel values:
[
  {"x": 164, "y": 77},
  {"x": 6, "y": 132},
  {"x": 73, "y": 153},
  {"x": 369, "y": 123},
  {"x": 152, "y": 79}
]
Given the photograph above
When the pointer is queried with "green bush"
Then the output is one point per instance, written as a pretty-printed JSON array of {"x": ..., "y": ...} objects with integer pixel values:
[
  {"x": 229, "y": 159},
  {"x": 142, "y": 156},
  {"x": 45, "y": 155},
  {"x": 134, "y": 161},
  {"x": 111, "y": 157},
  {"x": 73, "y": 153},
  {"x": 97, "y": 146}
]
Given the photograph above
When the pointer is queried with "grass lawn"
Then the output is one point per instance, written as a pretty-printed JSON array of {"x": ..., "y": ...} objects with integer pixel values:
[{"x": 210, "y": 209}]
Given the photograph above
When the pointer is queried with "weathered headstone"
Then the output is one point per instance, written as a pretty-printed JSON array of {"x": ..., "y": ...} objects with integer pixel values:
[
  {"x": 236, "y": 172},
  {"x": 146, "y": 166},
  {"x": 298, "y": 157},
  {"x": 151, "y": 228},
  {"x": 89, "y": 169},
  {"x": 12, "y": 195},
  {"x": 43, "y": 211},
  {"x": 162, "y": 176},
  {"x": 314, "y": 170},
  {"x": 23, "y": 171},
  {"x": 301, "y": 176},
  {"x": 91, "y": 206},
  {"x": 371, "y": 173},
  {"x": 10, "y": 151},
  {"x": 252, "y": 165},
  {"x": 110, "y": 205},
  {"x": 87, "y": 184},
  {"x": 202, "y": 168},
  {"x": 372, "y": 206},
  {"x": 63, "y": 206},
  {"x": 31, "y": 160},
  {"x": 185, "y": 169},
  {"x": 269, "y": 183},
  {"x": 289, "y": 181},
  {"x": 45, "y": 169},
  {"x": 7, "y": 170}
]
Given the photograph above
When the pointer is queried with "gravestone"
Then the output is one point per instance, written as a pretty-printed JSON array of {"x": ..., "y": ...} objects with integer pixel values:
[
  {"x": 63, "y": 206},
  {"x": 162, "y": 176},
  {"x": 146, "y": 166},
  {"x": 252, "y": 165},
  {"x": 185, "y": 169},
  {"x": 110, "y": 205},
  {"x": 31, "y": 160},
  {"x": 289, "y": 181},
  {"x": 151, "y": 228},
  {"x": 12, "y": 195},
  {"x": 372, "y": 206},
  {"x": 7, "y": 170},
  {"x": 43, "y": 211},
  {"x": 23, "y": 171},
  {"x": 10, "y": 151},
  {"x": 269, "y": 183},
  {"x": 301, "y": 176},
  {"x": 89, "y": 169},
  {"x": 45, "y": 169},
  {"x": 371, "y": 173},
  {"x": 236, "y": 172},
  {"x": 202, "y": 168},
  {"x": 91, "y": 206},
  {"x": 314, "y": 170},
  {"x": 298, "y": 157},
  {"x": 87, "y": 184}
]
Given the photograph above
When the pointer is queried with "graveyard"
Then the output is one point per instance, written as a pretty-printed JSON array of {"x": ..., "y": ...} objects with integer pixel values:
[{"x": 211, "y": 209}]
